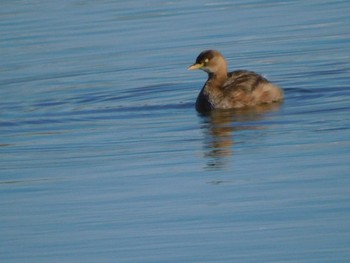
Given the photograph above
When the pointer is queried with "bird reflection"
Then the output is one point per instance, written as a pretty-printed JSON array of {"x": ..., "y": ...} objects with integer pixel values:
[{"x": 219, "y": 127}]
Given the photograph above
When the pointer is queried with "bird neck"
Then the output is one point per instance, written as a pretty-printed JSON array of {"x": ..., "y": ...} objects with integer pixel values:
[
  {"x": 219, "y": 71},
  {"x": 218, "y": 78}
]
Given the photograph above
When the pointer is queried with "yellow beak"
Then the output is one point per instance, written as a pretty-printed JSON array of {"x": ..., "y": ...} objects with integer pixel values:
[{"x": 195, "y": 66}]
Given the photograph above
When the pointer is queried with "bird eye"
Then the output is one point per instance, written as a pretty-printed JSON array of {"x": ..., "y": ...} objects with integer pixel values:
[{"x": 206, "y": 60}]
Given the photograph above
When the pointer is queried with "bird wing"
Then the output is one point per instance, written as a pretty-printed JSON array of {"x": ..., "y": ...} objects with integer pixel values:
[{"x": 242, "y": 81}]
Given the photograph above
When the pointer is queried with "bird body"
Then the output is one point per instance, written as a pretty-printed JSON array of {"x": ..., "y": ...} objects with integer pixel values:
[{"x": 233, "y": 90}]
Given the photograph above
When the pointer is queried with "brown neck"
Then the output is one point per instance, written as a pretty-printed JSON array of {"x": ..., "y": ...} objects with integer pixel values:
[
  {"x": 219, "y": 71},
  {"x": 218, "y": 78}
]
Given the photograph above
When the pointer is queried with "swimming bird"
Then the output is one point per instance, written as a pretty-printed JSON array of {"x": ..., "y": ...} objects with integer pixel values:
[{"x": 231, "y": 90}]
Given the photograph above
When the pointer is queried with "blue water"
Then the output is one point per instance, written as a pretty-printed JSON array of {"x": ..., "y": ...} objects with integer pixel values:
[{"x": 103, "y": 157}]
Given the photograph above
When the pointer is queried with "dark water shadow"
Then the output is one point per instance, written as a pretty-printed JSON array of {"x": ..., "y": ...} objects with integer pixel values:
[{"x": 219, "y": 127}]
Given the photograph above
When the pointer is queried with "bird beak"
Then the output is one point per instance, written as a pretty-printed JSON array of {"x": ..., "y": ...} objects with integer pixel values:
[{"x": 195, "y": 66}]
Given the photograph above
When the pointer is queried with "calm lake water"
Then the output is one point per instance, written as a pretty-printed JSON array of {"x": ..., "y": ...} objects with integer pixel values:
[{"x": 103, "y": 157}]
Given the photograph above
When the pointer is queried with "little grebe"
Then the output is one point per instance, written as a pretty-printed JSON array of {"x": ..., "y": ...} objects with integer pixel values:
[{"x": 231, "y": 90}]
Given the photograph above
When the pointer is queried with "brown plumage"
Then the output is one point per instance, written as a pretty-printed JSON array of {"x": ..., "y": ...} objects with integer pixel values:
[{"x": 237, "y": 89}]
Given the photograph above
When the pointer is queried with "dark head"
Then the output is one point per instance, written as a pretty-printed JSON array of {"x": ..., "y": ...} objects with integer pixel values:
[{"x": 210, "y": 61}]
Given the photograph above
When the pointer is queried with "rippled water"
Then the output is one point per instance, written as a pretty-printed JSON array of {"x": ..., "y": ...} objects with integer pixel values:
[{"x": 104, "y": 159}]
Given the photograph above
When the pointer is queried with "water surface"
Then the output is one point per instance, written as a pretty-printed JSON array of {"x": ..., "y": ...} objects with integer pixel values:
[{"x": 104, "y": 159}]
